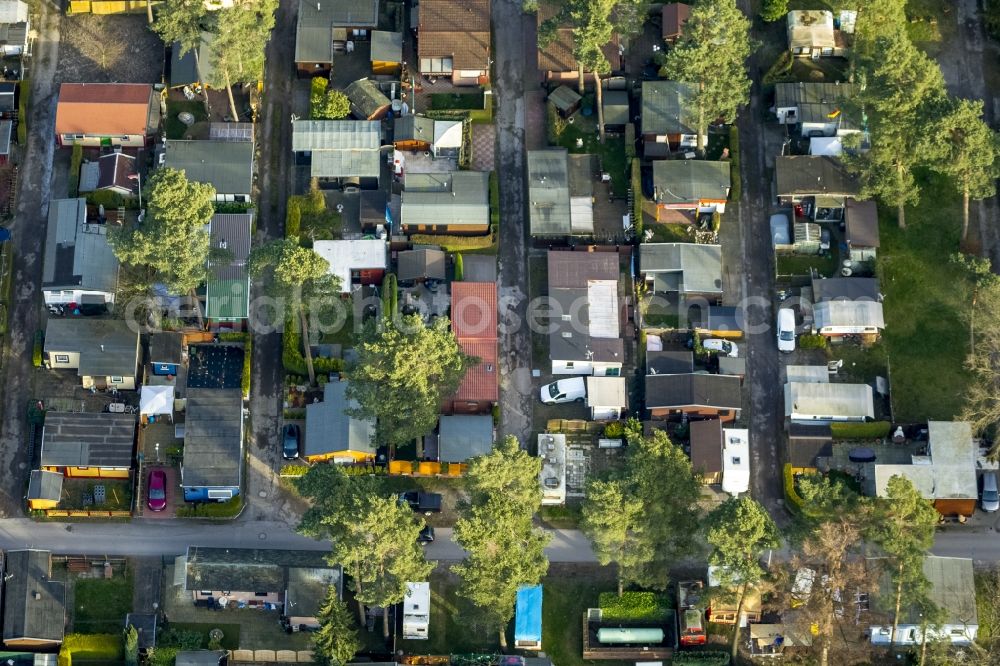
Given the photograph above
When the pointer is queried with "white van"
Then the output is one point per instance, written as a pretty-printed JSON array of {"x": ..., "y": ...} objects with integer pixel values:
[
  {"x": 786, "y": 330},
  {"x": 565, "y": 390}
]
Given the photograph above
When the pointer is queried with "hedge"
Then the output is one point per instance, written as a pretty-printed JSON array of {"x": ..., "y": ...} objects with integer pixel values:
[
  {"x": 459, "y": 267},
  {"x": 295, "y": 362},
  {"x": 233, "y": 336},
  {"x": 91, "y": 647},
  {"x": 36, "y": 352},
  {"x": 809, "y": 341},
  {"x": 700, "y": 659},
  {"x": 293, "y": 218},
  {"x": 228, "y": 509},
  {"x": 390, "y": 297},
  {"x": 74, "y": 170},
  {"x": 637, "y": 223},
  {"x": 293, "y": 470},
  {"x": 632, "y": 606},
  {"x": 793, "y": 500},
  {"x": 494, "y": 203},
  {"x": 872, "y": 430},
  {"x": 245, "y": 378},
  {"x": 735, "y": 186},
  {"x": 454, "y": 243},
  {"x": 23, "y": 90}
]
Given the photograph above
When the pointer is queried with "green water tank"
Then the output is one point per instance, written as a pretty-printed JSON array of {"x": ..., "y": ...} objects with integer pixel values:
[{"x": 633, "y": 636}]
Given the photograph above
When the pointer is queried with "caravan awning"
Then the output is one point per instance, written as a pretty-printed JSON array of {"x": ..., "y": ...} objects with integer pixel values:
[{"x": 154, "y": 400}]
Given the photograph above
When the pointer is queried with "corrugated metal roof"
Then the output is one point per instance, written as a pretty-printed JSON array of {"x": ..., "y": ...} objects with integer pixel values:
[
  {"x": 850, "y": 314},
  {"x": 322, "y": 135},
  {"x": 225, "y": 165},
  {"x": 228, "y": 286},
  {"x": 329, "y": 428},
  {"x": 88, "y": 439},
  {"x": 457, "y": 198}
]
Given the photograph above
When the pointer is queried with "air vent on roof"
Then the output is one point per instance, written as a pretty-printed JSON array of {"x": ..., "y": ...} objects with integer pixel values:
[
  {"x": 38, "y": 596},
  {"x": 567, "y": 334}
]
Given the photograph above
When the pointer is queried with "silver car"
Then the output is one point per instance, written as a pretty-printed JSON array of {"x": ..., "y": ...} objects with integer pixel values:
[{"x": 989, "y": 501}]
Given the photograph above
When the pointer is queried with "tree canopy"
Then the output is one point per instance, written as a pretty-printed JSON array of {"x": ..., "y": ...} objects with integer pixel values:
[
  {"x": 238, "y": 50},
  {"x": 711, "y": 56},
  {"x": 296, "y": 271},
  {"x": 171, "y": 241},
  {"x": 404, "y": 372},
  {"x": 337, "y": 640},
  {"x": 327, "y": 104}
]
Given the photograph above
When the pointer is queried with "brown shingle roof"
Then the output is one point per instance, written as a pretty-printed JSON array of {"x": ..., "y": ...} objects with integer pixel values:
[
  {"x": 558, "y": 55},
  {"x": 103, "y": 108},
  {"x": 459, "y": 29},
  {"x": 571, "y": 270},
  {"x": 706, "y": 446}
]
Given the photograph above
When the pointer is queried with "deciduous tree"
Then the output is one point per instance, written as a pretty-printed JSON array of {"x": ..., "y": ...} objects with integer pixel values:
[
  {"x": 183, "y": 21},
  {"x": 299, "y": 274},
  {"x": 774, "y": 10},
  {"x": 327, "y": 104},
  {"x": 711, "y": 55},
  {"x": 171, "y": 241},
  {"x": 904, "y": 531},
  {"x": 739, "y": 531},
  {"x": 496, "y": 527},
  {"x": 404, "y": 372},
  {"x": 238, "y": 49},
  {"x": 337, "y": 640},
  {"x": 962, "y": 146}
]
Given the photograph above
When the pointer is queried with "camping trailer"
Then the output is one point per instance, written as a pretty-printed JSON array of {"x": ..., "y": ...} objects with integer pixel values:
[{"x": 417, "y": 611}]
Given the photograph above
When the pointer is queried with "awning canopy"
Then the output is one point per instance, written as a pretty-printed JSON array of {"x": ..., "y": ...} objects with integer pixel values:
[{"x": 155, "y": 400}]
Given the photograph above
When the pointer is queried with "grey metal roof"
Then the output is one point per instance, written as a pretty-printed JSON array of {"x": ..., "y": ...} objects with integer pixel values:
[
  {"x": 386, "y": 46},
  {"x": 34, "y": 605},
  {"x": 244, "y": 569},
  {"x": 225, "y": 165},
  {"x": 412, "y": 127},
  {"x": 454, "y": 198},
  {"x": 683, "y": 267},
  {"x": 88, "y": 439},
  {"x": 329, "y": 428},
  {"x": 107, "y": 347},
  {"x": 616, "y": 108},
  {"x": 464, "y": 436},
  {"x": 43, "y": 485},
  {"x": 802, "y": 175},
  {"x": 77, "y": 254},
  {"x": 345, "y": 164},
  {"x": 548, "y": 192},
  {"x": 815, "y": 101},
  {"x": 166, "y": 347},
  {"x": 213, "y": 438},
  {"x": 340, "y": 148},
  {"x": 317, "y": 18},
  {"x": 675, "y": 391},
  {"x": 366, "y": 98},
  {"x": 690, "y": 181},
  {"x": 182, "y": 67},
  {"x": 227, "y": 290},
  {"x": 415, "y": 264},
  {"x": 669, "y": 362},
  {"x": 666, "y": 108}
]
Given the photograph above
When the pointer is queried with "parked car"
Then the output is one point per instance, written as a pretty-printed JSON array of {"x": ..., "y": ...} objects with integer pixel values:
[
  {"x": 425, "y": 503},
  {"x": 290, "y": 441},
  {"x": 726, "y": 347},
  {"x": 786, "y": 330},
  {"x": 573, "y": 389},
  {"x": 990, "y": 499},
  {"x": 426, "y": 535},
  {"x": 157, "y": 489}
]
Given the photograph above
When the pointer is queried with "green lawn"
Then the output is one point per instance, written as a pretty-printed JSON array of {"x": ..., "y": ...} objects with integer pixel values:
[
  {"x": 926, "y": 299},
  {"x": 561, "y": 517},
  {"x": 861, "y": 364},
  {"x": 799, "y": 264},
  {"x": 100, "y": 604},
  {"x": 230, "y": 632},
  {"x": 612, "y": 151},
  {"x": 669, "y": 233},
  {"x": 457, "y": 101},
  {"x": 175, "y": 128},
  {"x": 565, "y": 601}
]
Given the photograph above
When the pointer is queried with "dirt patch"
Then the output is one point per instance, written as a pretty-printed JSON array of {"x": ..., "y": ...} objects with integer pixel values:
[{"x": 109, "y": 49}]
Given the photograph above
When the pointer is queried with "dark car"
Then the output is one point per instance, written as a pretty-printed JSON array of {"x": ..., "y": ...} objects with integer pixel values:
[
  {"x": 426, "y": 535},
  {"x": 425, "y": 503},
  {"x": 157, "y": 486},
  {"x": 290, "y": 441}
]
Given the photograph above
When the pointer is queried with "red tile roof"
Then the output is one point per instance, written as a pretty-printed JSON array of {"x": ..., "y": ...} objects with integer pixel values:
[
  {"x": 481, "y": 380},
  {"x": 108, "y": 109},
  {"x": 474, "y": 310}
]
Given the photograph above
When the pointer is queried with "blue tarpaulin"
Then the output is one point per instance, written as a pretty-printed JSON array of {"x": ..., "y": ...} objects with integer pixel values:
[{"x": 528, "y": 620}]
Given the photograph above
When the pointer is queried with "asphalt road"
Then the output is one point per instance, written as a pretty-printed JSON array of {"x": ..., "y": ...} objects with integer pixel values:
[
  {"x": 763, "y": 375},
  {"x": 28, "y": 236}
]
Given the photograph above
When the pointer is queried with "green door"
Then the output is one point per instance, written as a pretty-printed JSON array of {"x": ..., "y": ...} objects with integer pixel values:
[{"x": 106, "y": 141}]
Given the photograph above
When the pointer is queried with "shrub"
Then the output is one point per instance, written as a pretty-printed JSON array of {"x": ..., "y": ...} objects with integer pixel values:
[
  {"x": 106, "y": 198},
  {"x": 454, "y": 243},
  {"x": 91, "y": 647},
  {"x": 228, "y": 509},
  {"x": 294, "y": 470},
  {"x": 614, "y": 430},
  {"x": 792, "y": 498},
  {"x": 700, "y": 659},
  {"x": 36, "y": 352},
  {"x": 780, "y": 69},
  {"x": 232, "y": 207},
  {"x": 633, "y": 606},
  {"x": 716, "y": 221},
  {"x": 630, "y": 140},
  {"x": 495, "y": 411},
  {"x": 293, "y": 218},
  {"x": 873, "y": 430},
  {"x": 233, "y": 336},
  {"x": 74, "y": 170},
  {"x": 459, "y": 267},
  {"x": 390, "y": 297},
  {"x": 327, "y": 104},
  {"x": 554, "y": 123},
  {"x": 295, "y": 362},
  {"x": 637, "y": 197},
  {"x": 736, "y": 186},
  {"x": 772, "y": 10},
  {"x": 810, "y": 341},
  {"x": 245, "y": 377}
]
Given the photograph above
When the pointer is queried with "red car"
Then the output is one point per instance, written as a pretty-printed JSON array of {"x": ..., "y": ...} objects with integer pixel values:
[{"x": 157, "y": 490}]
